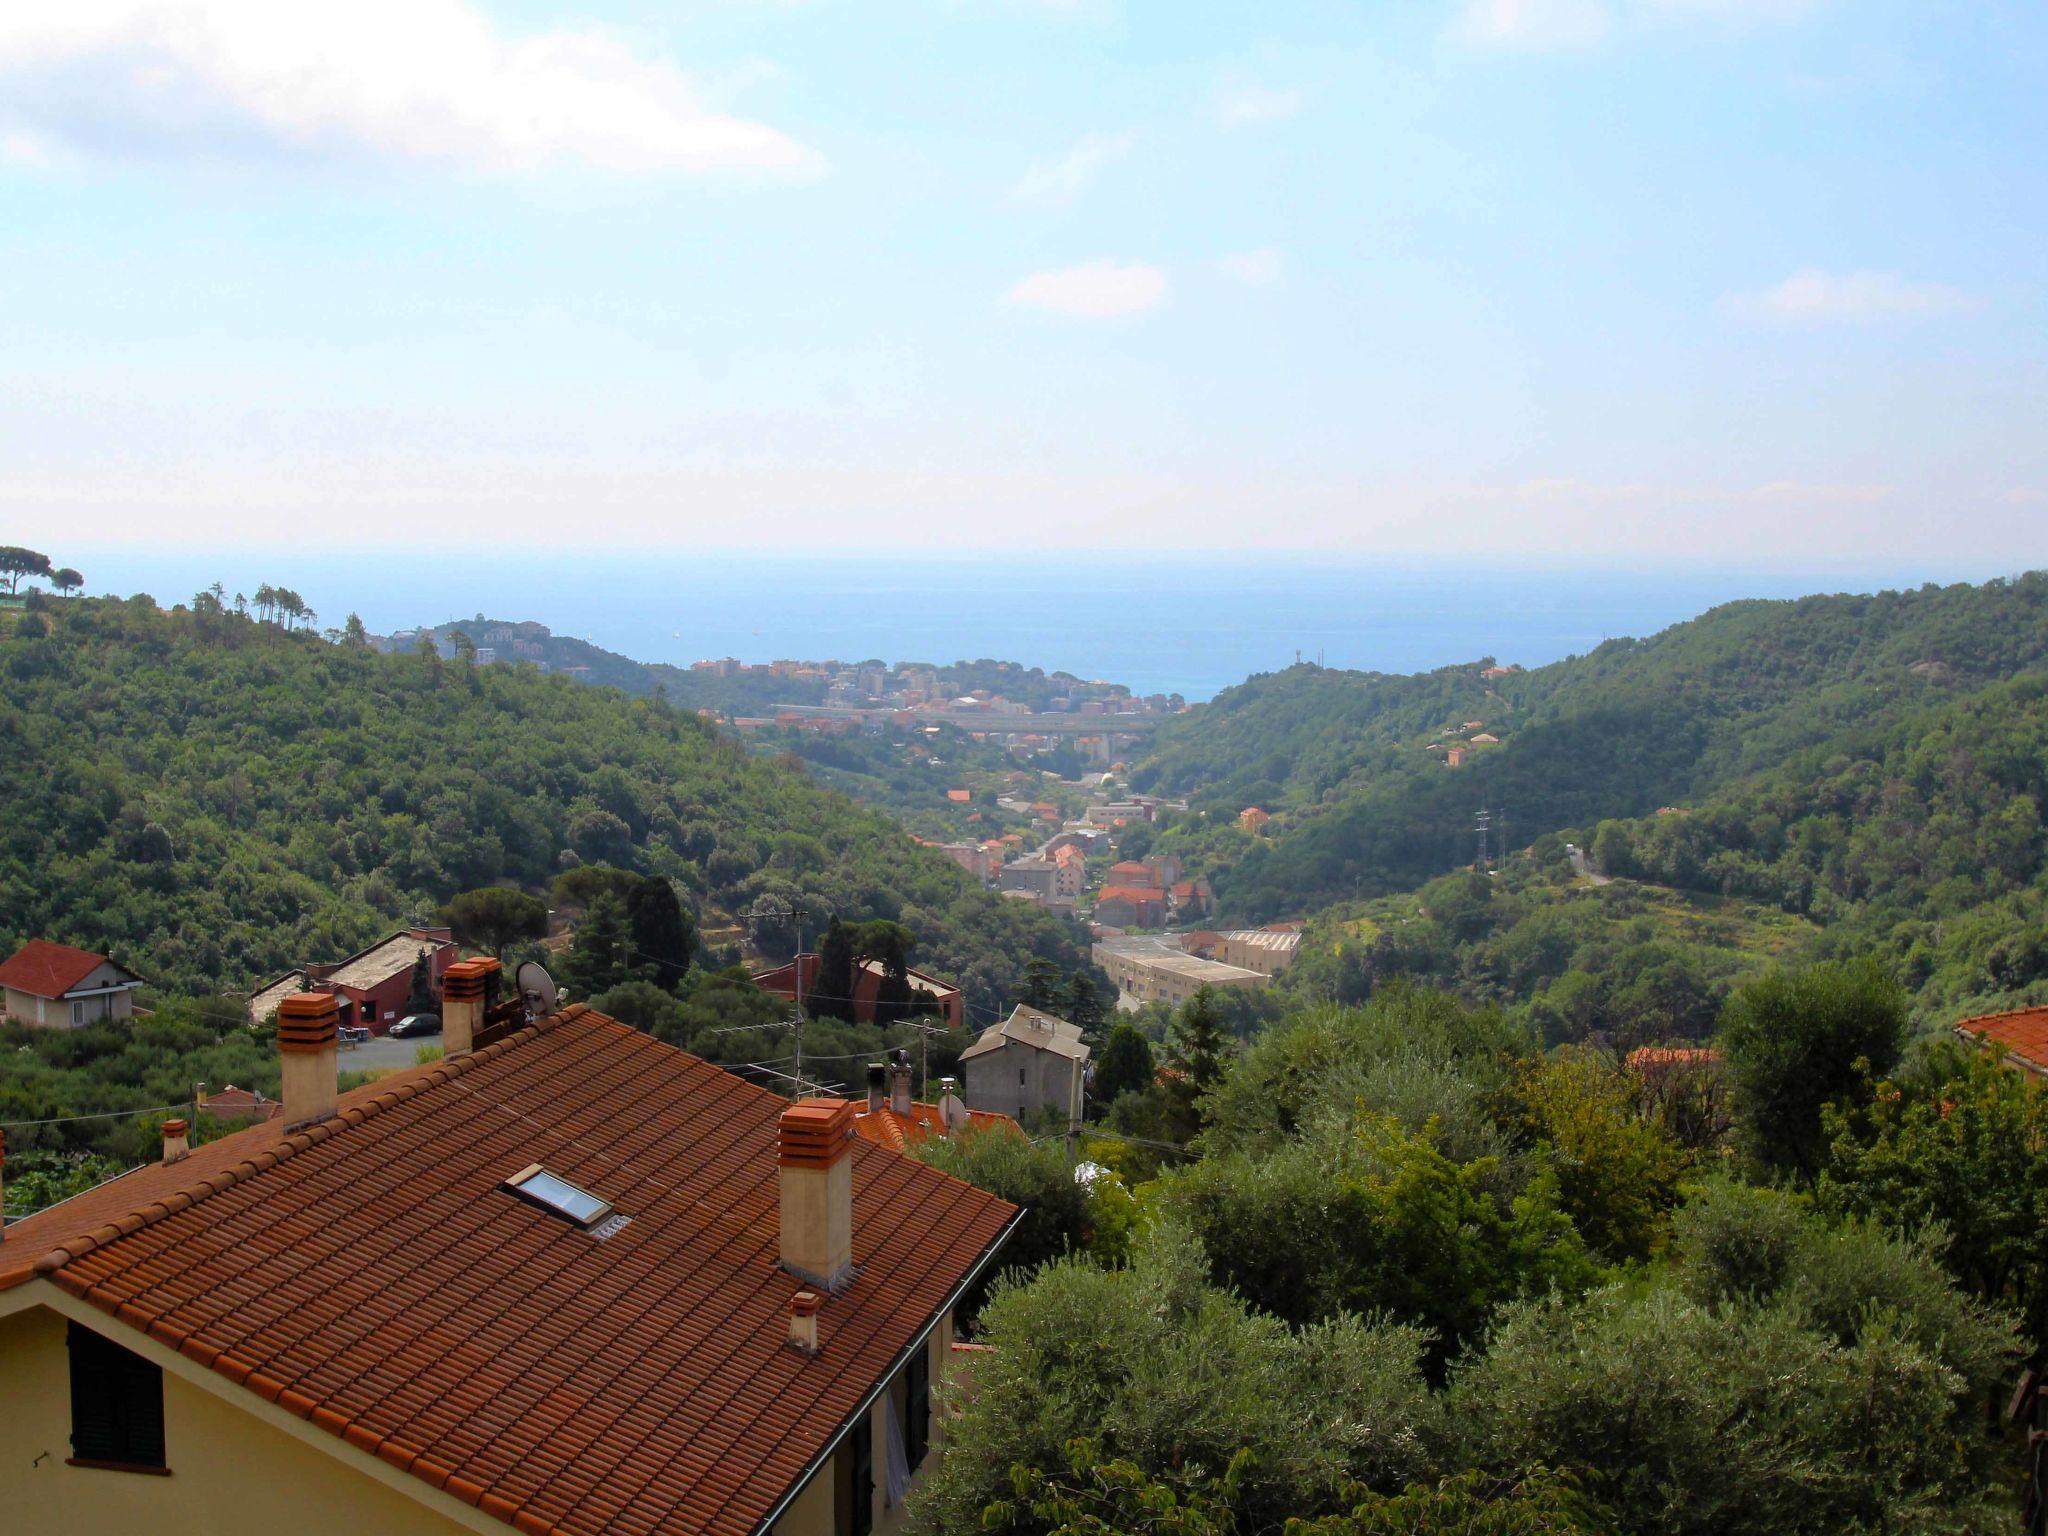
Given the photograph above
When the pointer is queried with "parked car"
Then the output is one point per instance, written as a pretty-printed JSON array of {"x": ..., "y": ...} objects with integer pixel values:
[{"x": 415, "y": 1024}]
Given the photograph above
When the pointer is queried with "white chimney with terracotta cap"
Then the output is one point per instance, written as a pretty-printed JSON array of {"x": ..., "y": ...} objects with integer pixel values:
[
  {"x": 465, "y": 989},
  {"x": 814, "y": 1157},
  {"x": 177, "y": 1140},
  {"x": 803, "y": 1321},
  {"x": 309, "y": 1053},
  {"x": 899, "y": 1082}
]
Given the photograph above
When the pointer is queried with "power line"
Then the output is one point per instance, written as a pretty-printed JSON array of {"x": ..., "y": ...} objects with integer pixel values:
[{"x": 111, "y": 1114}]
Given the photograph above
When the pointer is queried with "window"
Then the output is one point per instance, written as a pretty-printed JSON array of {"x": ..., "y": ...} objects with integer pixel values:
[
  {"x": 558, "y": 1195},
  {"x": 917, "y": 1406},
  {"x": 117, "y": 1406},
  {"x": 78, "y": 1013},
  {"x": 860, "y": 1455},
  {"x": 1020, "y": 1077}
]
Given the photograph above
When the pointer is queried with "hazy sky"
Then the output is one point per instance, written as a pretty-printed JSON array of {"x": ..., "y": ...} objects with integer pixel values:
[{"x": 1613, "y": 280}]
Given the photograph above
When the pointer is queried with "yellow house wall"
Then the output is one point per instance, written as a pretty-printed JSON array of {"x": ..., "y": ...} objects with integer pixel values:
[{"x": 229, "y": 1471}]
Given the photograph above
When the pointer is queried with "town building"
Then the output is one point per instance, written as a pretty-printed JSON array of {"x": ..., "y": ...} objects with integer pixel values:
[
  {"x": 1029, "y": 1063},
  {"x": 66, "y": 988},
  {"x": 566, "y": 1281},
  {"x": 971, "y": 857},
  {"x": 378, "y": 986},
  {"x": 1267, "y": 950},
  {"x": 1131, "y": 906},
  {"x": 929, "y": 993},
  {"x": 1155, "y": 969},
  {"x": 1253, "y": 820},
  {"x": 2020, "y": 1036}
]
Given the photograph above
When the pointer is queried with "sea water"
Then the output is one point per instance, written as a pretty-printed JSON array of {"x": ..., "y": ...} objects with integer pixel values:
[{"x": 1176, "y": 623}]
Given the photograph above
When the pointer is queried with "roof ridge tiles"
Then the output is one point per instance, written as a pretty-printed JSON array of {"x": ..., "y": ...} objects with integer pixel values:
[{"x": 160, "y": 1207}]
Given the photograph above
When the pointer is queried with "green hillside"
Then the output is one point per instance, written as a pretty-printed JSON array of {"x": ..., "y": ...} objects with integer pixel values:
[
  {"x": 214, "y": 800},
  {"x": 1635, "y": 725}
]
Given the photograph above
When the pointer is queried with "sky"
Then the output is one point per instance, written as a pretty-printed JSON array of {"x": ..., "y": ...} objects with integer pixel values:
[{"x": 1618, "y": 282}]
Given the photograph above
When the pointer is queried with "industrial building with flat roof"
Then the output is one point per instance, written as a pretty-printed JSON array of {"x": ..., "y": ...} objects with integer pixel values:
[{"x": 1155, "y": 969}]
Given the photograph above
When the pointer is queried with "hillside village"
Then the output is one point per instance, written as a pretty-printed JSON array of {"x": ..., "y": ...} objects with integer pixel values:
[{"x": 826, "y": 1187}]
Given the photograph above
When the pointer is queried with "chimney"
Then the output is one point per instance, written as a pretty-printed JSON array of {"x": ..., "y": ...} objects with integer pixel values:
[
  {"x": 176, "y": 1140},
  {"x": 878, "y": 1076},
  {"x": 463, "y": 990},
  {"x": 815, "y": 1163},
  {"x": 306, "y": 1048},
  {"x": 803, "y": 1321},
  {"x": 899, "y": 1083}
]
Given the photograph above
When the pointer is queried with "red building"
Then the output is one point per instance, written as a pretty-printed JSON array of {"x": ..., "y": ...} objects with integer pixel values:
[
  {"x": 374, "y": 984},
  {"x": 937, "y": 996}
]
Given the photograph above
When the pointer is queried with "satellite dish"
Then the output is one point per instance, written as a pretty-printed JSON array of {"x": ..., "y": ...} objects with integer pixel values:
[{"x": 537, "y": 987}]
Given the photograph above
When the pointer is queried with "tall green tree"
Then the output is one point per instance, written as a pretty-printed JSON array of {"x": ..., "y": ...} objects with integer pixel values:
[
  {"x": 1041, "y": 988},
  {"x": 1797, "y": 1038},
  {"x": 831, "y": 995},
  {"x": 353, "y": 632},
  {"x": 664, "y": 935},
  {"x": 601, "y": 955},
  {"x": 1082, "y": 1004},
  {"x": 67, "y": 580},
  {"x": 495, "y": 917},
  {"x": 1125, "y": 1065}
]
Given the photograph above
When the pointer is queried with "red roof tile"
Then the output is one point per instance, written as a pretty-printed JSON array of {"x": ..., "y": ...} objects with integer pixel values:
[
  {"x": 370, "y": 1274},
  {"x": 43, "y": 969},
  {"x": 2021, "y": 1034},
  {"x": 899, "y": 1133}
]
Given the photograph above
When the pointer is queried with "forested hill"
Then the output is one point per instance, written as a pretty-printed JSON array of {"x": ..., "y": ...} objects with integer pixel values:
[
  {"x": 214, "y": 799},
  {"x": 1716, "y": 707}
]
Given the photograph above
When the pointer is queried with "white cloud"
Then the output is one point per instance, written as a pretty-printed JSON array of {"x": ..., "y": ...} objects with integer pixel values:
[
  {"x": 1245, "y": 104},
  {"x": 432, "y": 80},
  {"x": 1062, "y": 180},
  {"x": 1534, "y": 25},
  {"x": 1097, "y": 291},
  {"x": 1815, "y": 296},
  {"x": 1254, "y": 268}
]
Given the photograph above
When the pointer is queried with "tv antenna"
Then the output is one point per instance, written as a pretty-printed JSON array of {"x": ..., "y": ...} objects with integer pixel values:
[{"x": 769, "y": 910}]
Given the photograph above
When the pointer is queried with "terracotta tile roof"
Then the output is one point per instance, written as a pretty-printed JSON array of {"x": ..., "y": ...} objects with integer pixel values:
[
  {"x": 899, "y": 1133},
  {"x": 233, "y": 1103},
  {"x": 43, "y": 969},
  {"x": 2022, "y": 1034},
  {"x": 370, "y": 1274},
  {"x": 1657, "y": 1058}
]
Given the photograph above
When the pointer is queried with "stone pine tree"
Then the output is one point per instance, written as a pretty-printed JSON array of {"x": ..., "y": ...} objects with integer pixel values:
[
  {"x": 1125, "y": 1065},
  {"x": 496, "y": 917}
]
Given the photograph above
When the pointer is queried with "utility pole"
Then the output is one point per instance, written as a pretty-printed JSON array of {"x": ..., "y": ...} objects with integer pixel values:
[
  {"x": 1480, "y": 826},
  {"x": 769, "y": 910}
]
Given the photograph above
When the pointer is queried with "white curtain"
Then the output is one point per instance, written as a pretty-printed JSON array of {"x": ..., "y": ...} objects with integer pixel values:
[{"x": 896, "y": 1466}]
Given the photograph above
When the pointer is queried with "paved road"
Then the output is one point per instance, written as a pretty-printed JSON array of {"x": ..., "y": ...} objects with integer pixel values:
[
  {"x": 1582, "y": 869},
  {"x": 384, "y": 1053}
]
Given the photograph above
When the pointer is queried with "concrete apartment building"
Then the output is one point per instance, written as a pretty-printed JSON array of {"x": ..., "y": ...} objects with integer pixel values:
[
  {"x": 1267, "y": 950},
  {"x": 403, "y": 1312},
  {"x": 1155, "y": 969},
  {"x": 1030, "y": 1062},
  {"x": 64, "y": 988}
]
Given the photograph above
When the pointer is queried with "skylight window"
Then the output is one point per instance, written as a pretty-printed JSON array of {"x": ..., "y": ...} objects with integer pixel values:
[{"x": 557, "y": 1194}]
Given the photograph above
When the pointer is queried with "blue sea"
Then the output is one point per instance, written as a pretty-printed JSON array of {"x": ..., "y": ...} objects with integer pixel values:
[{"x": 1187, "y": 624}]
